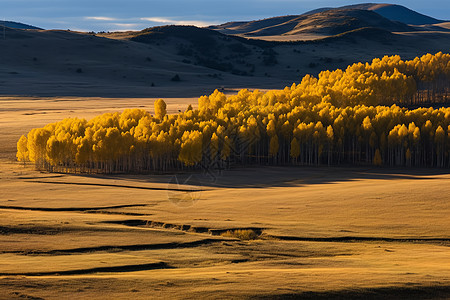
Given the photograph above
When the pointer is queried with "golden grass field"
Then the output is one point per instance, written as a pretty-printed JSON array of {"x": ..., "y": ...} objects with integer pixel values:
[{"x": 321, "y": 232}]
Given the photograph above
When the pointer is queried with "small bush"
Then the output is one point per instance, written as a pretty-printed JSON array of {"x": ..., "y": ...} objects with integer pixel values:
[
  {"x": 242, "y": 234},
  {"x": 176, "y": 78}
]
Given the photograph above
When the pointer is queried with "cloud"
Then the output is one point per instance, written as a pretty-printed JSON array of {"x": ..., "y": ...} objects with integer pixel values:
[
  {"x": 157, "y": 20},
  {"x": 168, "y": 21},
  {"x": 124, "y": 25},
  {"x": 100, "y": 18}
]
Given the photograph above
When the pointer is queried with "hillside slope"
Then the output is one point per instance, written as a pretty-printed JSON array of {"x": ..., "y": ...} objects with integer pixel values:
[
  {"x": 17, "y": 25},
  {"x": 392, "y": 12},
  {"x": 145, "y": 63},
  {"x": 325, "y": 23}
]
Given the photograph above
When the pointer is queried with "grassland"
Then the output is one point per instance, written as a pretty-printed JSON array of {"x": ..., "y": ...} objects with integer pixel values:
[{"x": 319, "y": 232}]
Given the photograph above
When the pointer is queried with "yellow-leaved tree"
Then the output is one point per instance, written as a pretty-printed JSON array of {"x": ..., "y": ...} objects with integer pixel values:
[
  {"x": 295, "y": 149},
  {"x": 160, "y": 109},
  {"x": 22, "y": 149}
]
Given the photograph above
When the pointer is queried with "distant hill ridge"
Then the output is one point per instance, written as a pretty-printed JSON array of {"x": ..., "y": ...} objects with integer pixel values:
[
  {"x": 392, "y": 12},
  {"x": 326, "y": 23},
  {"x": 17, "y": 25},
  {"x": 167, "y": 59}
]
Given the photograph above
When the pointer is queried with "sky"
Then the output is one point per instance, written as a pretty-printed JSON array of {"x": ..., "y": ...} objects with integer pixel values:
[{"x": 115, "y": 15}]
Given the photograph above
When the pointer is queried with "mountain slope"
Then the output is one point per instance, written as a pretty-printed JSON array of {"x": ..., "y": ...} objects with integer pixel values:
[
  {"x": 17, "y": 25},
  {"x": 392, "y": 12},
  {"x": 207, "y": 48},
  {"x": 146, "y": 63},
  {"x": 326, "y": 23},
  {"x": 246, "y": 27}
]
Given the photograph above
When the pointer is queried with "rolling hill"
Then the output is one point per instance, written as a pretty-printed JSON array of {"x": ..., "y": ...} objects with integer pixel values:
[
  {"x": 17, "y": 25},
  {"x": 162, "y": 61},
  {"x": 392, "y": 12},
  {"x": 326, "y": 23}
]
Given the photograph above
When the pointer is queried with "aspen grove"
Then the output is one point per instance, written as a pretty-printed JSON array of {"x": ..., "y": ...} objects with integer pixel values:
[{"x": 353, "y": 116}]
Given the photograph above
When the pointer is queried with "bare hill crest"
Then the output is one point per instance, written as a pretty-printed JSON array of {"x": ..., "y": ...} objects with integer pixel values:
[
  {"x": 326, "y": 23},
  {"x": 17, "y": 25},
  {"x": 392, "y": 12}
]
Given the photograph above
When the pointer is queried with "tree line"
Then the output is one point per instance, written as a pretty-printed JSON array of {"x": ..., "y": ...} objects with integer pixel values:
[{"x": 341, "y": 117}]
